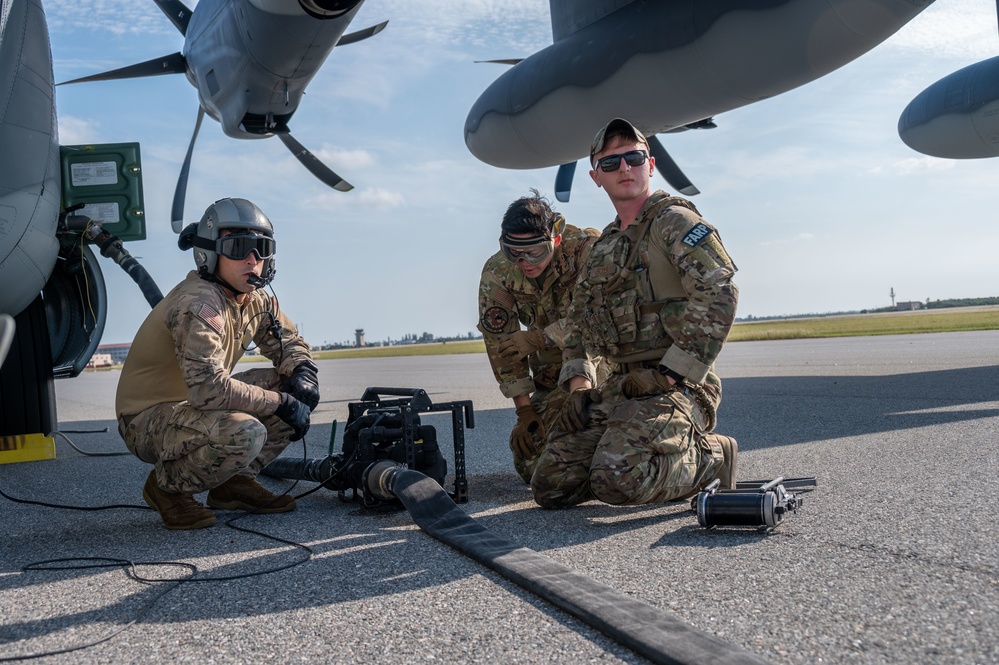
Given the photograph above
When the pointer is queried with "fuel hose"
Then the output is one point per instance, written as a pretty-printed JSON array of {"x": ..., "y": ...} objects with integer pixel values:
[{"x": 643, "y": 628}]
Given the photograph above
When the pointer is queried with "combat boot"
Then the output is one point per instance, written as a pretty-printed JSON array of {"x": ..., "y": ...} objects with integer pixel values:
[
  {"x": 730, "y": 456},
  {"x": 245, "y": 493},
  {"x": 178, "y": 511}
]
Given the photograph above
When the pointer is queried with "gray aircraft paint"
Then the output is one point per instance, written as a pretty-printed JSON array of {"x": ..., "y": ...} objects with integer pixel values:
[
  {"x": 29, "y": 143},
  {"x": 233, "y": 41},
  {"x": 664, "y": 65},
  {"x": 250, "y": 61},
  {"x": 958, "y": 116}
]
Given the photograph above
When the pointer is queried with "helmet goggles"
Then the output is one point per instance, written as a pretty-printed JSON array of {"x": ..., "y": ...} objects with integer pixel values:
[
  {"x": 239, "y": 245},
  {"x": 533, "y": 250}
]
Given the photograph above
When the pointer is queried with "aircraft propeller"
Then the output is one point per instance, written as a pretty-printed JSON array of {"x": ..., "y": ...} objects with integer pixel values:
[
  {"x": 180, "y": 15},
  {"x": 180, "y": 194}
]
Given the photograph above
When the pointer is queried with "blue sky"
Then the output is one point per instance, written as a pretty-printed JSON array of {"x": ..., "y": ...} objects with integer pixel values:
[{"x": 818, "y": 201}]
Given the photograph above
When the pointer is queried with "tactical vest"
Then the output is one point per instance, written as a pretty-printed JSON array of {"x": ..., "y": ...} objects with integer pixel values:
[{"x": 627, "y": 303}]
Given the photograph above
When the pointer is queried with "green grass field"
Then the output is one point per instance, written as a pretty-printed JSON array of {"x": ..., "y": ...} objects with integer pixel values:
[{"x": 891, "y": 323}]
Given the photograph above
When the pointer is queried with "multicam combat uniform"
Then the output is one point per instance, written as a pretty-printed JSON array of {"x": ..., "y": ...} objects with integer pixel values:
[
  {"x": 659, "y": 292},
  {"x": 507, "y": 299},
  {"x": 179, "y": 406}
]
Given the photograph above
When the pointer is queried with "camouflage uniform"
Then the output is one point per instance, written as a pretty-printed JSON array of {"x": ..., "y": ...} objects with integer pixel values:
[
  {"x": 669, "y": 300},
  {"x": 179, "y": 406},
  {"x": 507, "y": 299}
]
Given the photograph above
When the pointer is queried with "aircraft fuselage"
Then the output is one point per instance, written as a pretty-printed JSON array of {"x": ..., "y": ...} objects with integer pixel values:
[{"x": 29, "y": 170}]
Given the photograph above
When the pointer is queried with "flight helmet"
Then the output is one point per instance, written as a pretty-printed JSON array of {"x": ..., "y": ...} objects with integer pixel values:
[{"x": 230, "y": 213}]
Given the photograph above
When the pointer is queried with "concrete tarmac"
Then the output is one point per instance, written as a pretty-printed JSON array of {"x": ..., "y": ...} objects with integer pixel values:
[{"x": 893, "y": 558}]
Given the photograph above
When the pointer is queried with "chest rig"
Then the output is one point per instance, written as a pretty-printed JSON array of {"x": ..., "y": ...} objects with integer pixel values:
[{"x": 629, "y": 290}]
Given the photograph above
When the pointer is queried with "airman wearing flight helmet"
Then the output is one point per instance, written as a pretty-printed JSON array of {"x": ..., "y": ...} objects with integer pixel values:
[
  {"x": 529, "y": 282},
  {"x": 656, "y": 298},
  {"x": 180, "y": 407}
]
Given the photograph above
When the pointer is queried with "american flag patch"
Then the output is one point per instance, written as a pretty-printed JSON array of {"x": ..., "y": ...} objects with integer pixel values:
[{"x": 211, "y": 317}]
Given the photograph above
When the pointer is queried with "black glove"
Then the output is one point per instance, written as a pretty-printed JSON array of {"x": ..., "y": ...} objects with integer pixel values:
[
  {"x": 303, "y": 384},
  {"x": 575, "y": 415},
  {"x": 522, "y": 437},
  {"x": 295, "y": 414}
]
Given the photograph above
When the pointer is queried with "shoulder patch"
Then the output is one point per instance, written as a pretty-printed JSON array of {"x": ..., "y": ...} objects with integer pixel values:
[
  {"x": 494, "y": 319},
  {"x": 697, "y": 234},
  {"x": 211, "y": 316}
]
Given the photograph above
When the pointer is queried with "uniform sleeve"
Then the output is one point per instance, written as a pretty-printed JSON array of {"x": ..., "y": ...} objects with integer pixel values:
[
  {"x": 288, "y": 350},
  {"x": 498, "y": 315},
  {"x": 575, "y": 360},
  {"x": 198, "y": 327},
  {"x": 559, "y": 332},
  {"x": 699, "y": 326}
]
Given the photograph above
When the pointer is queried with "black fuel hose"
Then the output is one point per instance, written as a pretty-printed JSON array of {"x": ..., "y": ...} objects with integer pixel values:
[{"x": 647, "y": 630}]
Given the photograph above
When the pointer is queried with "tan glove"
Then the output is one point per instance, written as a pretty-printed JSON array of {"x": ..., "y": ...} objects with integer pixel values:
[
  {"x": 575, "y": 415},
  {"x": 521, "y": 344},
  {"x": 645, "y": 383},
  {"x": 524, "y": 436}
]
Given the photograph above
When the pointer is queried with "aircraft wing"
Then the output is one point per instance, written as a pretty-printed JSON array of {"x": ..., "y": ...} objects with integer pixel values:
[{"x": 568, "y": 16}]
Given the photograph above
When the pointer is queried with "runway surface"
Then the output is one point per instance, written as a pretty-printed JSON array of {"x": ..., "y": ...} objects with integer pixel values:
[{"x": 894, "y": 558}]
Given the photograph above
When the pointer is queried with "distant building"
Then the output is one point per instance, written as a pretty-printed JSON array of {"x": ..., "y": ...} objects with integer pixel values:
[
  {"x": 101, "y": 360},
  {"x": 359, "y": 337},
  {"x": 908, "y": 306},
  {"x": 116, "y": 351}
]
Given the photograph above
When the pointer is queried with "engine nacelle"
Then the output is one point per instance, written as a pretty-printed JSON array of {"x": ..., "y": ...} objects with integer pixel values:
[
  {"x": 958, "y": 116},
  {"x": 321, "y": 9}
]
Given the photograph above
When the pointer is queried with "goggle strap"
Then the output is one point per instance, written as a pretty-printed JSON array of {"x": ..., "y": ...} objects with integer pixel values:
[{"x": 523, "y": 242}]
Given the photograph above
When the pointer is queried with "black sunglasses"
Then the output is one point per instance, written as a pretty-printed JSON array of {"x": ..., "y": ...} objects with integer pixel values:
[
  {"x": 238, "y": 247},
  {"x": 613, "y": 162}
]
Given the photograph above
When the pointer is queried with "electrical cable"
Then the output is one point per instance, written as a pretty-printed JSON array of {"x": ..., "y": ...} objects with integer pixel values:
[
  {"x": 62, "y": 435},
  {"x": 131, "y": 566}
]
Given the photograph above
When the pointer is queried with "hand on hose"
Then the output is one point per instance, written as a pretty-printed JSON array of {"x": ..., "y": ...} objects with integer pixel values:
[
  {"x": 303, "y": 384},
  {"x": 525, "y": 433},
  {"x": 295, "y": 414},
  {"x": 645, "y": 383},
  {"x": 521, "y": 344},
  {"x": 575, "y": 414}
]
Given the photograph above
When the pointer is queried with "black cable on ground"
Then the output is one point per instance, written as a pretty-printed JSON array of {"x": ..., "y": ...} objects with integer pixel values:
[{"x": 647, "y": 630}]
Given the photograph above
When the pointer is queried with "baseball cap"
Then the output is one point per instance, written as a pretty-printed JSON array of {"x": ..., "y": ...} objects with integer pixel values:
[{"x": 616, "y": 126}]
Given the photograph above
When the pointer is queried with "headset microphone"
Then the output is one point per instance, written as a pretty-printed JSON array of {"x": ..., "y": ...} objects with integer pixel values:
[{"x": 256, "y": 281}]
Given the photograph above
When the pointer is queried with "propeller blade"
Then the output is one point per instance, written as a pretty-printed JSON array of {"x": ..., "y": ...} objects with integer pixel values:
[
  {"x": 179, "y": 194},
  {"x": 504, "y": 61},
  {"x": 175, "y": 63},
  {"x": 563, "y": 181},
  {"x": 316, "y": 167},
  {"x": 355, "y": 37},
  {"x": 669, "y": 170},
  {"x": 177, "y": 12}
]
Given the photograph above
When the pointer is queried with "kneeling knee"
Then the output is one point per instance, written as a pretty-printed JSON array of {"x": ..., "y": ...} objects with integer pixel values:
[{"x": 607, "y": 487}]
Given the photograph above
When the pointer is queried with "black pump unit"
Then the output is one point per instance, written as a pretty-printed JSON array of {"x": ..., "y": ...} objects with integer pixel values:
[{"x": 386, "y": 432}]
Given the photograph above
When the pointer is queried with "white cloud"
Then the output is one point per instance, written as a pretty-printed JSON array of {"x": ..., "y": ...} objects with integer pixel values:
[
  {"x": 950, "y": 29},
  {"x": 118, "y": 17},
  {"x": 921, "y": 164},
  {"x": 76, "y": 131},
  {"x": 358, "y": 159}
]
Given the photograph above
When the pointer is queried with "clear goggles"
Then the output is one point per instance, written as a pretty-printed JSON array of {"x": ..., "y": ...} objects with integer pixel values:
[
  {"x": 533, "y": 250},
  {"x": 239, "y": 245}
]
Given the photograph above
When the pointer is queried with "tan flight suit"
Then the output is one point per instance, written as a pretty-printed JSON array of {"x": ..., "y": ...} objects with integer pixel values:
[{"x": 180, "y": 407}]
